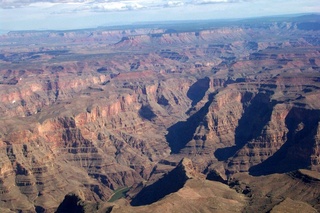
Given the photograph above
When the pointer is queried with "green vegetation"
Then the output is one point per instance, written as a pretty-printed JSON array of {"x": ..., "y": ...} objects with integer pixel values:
[{"x": 119, "y": 193}]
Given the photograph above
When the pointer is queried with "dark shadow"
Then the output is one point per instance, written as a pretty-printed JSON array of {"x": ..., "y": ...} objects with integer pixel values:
[
  {"x": 146, "y": 113},
  {"x": 257, "y": 113},
  {"x": 40, "y": 209},
  {"x": 182, "y": 132},
  {"x": 169, "y": 183},
  {"x": 163, "y": 101},
  {"x": 70, "y": 204},
  {"x": 295, "y": 153},
  {"x": 223, "y": 154},
  {"x": 198, "y": 90},
  {"x": 215, "y": 176}
]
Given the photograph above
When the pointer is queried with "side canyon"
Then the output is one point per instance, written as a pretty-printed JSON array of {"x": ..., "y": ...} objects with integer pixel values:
[{"x": 219, "y": 119}]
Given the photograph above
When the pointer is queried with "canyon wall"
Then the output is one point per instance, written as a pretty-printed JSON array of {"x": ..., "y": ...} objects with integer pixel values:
[{"x": 124, "y": 109}]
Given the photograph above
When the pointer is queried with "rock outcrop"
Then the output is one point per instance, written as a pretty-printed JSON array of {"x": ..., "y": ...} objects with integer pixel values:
[
  {"x": 169, "y": 183},
  {"x": 126, "y": 107}
]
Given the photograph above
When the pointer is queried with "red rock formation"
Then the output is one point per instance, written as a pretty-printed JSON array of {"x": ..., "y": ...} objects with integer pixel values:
[{"x": 128, "y": 105}]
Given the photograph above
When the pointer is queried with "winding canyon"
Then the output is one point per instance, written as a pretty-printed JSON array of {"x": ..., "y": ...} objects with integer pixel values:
[{"x": 221, "y": 119}]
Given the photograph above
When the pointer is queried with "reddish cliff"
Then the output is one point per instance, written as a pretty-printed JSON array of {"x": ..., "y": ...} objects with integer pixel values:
[{"x": 128, "y": 105}]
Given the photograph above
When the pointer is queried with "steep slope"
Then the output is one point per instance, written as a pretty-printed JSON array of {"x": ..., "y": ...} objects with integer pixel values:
[
  {"x": 171, "y": 182},
  {"x": 193, "y": 195},
  {"x": 289, "y": 205},
  {"x": 280, "y": 191},
  {"x": 125, "y": 106},
  {"x": 249, "y": 127},
  {"x": 107, "y": 139}
]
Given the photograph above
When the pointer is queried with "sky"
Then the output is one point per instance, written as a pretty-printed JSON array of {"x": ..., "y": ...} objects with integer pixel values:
[{"x": 77, "y": 14}]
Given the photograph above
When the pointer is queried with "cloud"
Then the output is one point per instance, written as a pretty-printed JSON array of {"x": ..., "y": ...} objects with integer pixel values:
[
  {"x": 80, "y": 7},
  {"x": 212, "y": 1},
  {"x": 174, "y": 4},
  {"x": 75, "y": 14},
  {"x": 11, "y": 4},
  {"x": 114, "y": 6},
  {"x": 108, "y": 5}
]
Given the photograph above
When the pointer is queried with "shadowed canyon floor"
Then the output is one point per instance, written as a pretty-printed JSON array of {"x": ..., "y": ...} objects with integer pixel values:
[{"x": 182, "y": 118}]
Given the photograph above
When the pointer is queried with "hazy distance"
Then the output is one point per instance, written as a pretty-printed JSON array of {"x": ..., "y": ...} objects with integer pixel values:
[{"x": 77, "y": 14}]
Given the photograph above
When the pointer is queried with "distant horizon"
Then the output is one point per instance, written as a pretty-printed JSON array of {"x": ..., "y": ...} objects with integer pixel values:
[
  {"x": 142, "y": 23},
  {"x": 19, "y": 15}
]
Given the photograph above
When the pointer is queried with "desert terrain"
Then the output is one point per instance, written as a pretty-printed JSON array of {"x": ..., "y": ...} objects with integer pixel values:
[{"x": 203, "y": 116}]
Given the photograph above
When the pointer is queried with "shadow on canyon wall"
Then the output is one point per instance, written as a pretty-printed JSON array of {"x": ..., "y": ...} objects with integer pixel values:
[
  {"x": 257, "y": 113},
  {"x": 182, "y": 132},
  {"x": 296, "y": 152}
]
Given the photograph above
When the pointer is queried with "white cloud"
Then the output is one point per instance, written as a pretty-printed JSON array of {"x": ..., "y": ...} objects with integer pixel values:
[
  {"x": 212, "y": 1},
  {"x": 72, "y": 14},
  {"x": 174, "y": 4},
  {"x": 115, "y": 6},
  {"x": 108, "y": 5},
  {"x": 42, "y": 4}
]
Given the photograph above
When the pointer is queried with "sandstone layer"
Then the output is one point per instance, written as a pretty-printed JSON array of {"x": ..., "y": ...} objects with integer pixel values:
[{"x": 84, "y": 113}]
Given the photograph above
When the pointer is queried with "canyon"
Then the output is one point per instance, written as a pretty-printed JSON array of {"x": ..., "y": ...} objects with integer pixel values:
[{"x": 206, "y": 116}]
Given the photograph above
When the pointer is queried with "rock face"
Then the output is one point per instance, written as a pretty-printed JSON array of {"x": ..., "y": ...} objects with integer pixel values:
[
  {"x": 71, "y": 203},
  {"x": 194, "y": 194},
  {"x": 126, "y": 107},
  {"x": 109, "y": 141},
  {"x": 256, "y": 131},
  {"x": 297, "y": 188},
  {"x": 289, "y": 205},
  {"x": 171, "y": 182}
]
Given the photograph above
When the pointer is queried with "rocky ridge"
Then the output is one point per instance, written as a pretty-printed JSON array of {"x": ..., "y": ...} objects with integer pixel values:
[
  {"x": 125, "y": 109},
  {"x": 194, "y": 194}
]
